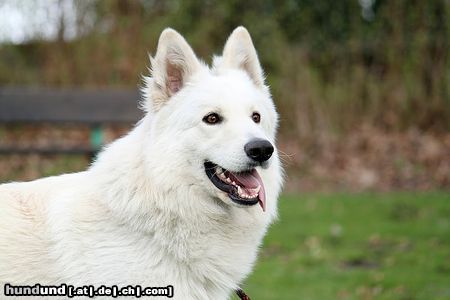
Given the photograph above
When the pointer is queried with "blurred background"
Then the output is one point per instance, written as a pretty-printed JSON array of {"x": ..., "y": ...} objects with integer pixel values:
[{"x": 362, "y": 88}]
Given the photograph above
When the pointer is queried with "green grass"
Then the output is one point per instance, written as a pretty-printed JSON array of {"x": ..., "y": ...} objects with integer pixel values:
[{"x": 362, "y": 246}]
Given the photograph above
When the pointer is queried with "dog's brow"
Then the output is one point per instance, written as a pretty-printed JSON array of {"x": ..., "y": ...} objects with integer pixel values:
[{"x": 213, "y": 109}]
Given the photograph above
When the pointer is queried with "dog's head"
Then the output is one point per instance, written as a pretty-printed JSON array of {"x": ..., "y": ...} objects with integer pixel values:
[{"x": 213, "y": 128}]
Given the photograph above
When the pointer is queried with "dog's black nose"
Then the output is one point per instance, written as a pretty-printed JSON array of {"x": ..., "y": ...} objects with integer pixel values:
[{"x": 259, "y": 150}]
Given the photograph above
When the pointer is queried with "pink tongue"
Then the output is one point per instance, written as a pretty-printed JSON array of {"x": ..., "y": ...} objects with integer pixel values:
[{"x": 250, "y": 181}]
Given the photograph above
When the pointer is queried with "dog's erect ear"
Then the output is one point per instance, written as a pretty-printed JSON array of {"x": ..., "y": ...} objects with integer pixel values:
[
  {"x": 172, "y": 66},
  {"x": 240, "y": 53}
]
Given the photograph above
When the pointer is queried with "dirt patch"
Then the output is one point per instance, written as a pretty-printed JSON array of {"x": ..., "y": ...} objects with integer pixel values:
[{"x": 368, "y": 159}]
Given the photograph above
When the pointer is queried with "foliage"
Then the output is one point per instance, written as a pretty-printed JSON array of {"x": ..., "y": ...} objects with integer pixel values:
[{"x": 332, "y": 65}]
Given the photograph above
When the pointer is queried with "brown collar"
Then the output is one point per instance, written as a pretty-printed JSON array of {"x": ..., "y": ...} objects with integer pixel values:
[{"x": 242, "y": 295}]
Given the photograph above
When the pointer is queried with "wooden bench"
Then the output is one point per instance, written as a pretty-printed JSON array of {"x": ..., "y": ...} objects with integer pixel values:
[{"x": 95, "y": 108}]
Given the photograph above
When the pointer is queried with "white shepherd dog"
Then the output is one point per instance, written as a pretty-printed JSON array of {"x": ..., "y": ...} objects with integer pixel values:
[{"x": 183, "y": 200}]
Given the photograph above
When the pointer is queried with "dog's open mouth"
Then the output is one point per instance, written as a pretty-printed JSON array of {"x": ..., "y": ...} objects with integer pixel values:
[{"x": 245, "y": 188}]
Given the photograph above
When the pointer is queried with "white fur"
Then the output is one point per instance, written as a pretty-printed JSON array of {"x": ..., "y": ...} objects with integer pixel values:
[{"x": 145, "y": 212}]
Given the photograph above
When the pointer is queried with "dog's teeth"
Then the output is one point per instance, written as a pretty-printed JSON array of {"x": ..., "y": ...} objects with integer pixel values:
[
  {"x": 254, "y": 191},
  {"x": 246, "y": 193}
]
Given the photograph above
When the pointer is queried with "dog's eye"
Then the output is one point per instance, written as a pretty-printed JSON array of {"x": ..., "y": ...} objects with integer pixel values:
[
  {"x": 212, "y": 119},
  {"x": 256, "y": 117}
]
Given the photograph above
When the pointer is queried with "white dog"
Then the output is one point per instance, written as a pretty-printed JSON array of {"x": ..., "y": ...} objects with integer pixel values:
[{"x": 183, "y": 200}]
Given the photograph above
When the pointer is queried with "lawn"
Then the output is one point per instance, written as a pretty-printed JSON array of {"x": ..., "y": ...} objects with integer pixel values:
[{"x": 356, "y": 246}]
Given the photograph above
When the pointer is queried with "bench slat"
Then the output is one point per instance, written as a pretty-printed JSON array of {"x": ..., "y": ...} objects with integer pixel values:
[
  {"x": 28, "y": 105},
  {"x": 48, "y": 150}
]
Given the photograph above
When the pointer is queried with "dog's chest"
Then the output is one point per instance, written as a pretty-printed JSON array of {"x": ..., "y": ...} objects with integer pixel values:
[{"x": 212, "y": 255}]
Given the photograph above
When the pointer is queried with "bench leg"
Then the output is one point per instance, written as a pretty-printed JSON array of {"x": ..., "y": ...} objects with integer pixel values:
[{"x": 96, "y": 139}]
